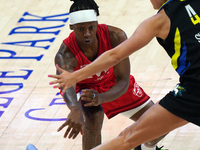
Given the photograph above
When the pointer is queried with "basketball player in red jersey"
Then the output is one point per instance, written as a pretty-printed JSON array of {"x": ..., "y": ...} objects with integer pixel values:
[{"x": 112, "y": 91}]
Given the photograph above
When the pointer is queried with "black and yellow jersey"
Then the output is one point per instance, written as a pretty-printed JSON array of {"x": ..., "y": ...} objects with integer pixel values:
[{"x": 183, "y": 41}]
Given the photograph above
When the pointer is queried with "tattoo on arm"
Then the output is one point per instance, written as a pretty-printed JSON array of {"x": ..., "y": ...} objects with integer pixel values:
[{"x": 66, "y": 60}]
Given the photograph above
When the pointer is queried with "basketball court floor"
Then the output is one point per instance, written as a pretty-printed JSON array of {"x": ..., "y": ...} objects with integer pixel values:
[{"x": 31, "y": 111}]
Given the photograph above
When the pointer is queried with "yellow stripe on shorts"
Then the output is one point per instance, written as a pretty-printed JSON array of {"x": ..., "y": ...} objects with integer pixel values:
[{"x": 177, "y": 48}]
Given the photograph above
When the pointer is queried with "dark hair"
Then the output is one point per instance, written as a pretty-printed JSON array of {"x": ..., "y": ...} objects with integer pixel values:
[{"x": 83, "y": 5}]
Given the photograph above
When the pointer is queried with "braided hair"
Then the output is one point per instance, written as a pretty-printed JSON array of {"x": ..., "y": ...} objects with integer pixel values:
[{"x": 83, "y": 5}]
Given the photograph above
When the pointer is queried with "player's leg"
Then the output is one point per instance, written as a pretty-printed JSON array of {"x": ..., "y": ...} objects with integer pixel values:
[
  {"x": 155, "y": 122},
  {"x": 93, "y": 117},
  {"x": 151, "y": 145}
]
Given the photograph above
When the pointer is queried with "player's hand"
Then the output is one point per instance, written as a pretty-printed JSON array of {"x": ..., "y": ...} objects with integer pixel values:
[
  {"x": 64, "y": 80},
  {"x": 92, "y": 97},
  {"x": 74, "y": 124}
]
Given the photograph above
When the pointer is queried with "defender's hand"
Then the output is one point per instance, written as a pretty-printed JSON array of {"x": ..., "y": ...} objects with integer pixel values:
[{"x": 64, "y": 80}]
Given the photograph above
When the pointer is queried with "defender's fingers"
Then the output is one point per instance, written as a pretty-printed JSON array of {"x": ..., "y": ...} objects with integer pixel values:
[
  {"x": 54, "y": 76},
  {"x": 59, "y": 69},
  {"x": 58, "y": 86},
  {"x": 64, "y": 89},
  {"x": 56, "y": 81}
]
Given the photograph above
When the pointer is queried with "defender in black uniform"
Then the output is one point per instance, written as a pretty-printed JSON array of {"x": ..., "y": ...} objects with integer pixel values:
[{"x": 183, "y": 46}]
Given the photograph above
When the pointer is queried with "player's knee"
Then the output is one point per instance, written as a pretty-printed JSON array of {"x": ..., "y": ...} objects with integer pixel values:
[
  {"x": 124, "y": 138},
  {"x": 94, "y": 120},
  {"x": 96, "y": 117}
]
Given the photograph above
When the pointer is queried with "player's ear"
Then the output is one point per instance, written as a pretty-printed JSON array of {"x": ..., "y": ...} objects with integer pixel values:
[{"x": 71, "y": 27}]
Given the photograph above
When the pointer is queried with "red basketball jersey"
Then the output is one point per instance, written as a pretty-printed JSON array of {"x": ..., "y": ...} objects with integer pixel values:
[{"x": 104, "y": 80}]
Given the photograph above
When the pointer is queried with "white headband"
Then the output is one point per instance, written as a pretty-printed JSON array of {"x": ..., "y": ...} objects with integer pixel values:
[{"x": 82, "y": 16}]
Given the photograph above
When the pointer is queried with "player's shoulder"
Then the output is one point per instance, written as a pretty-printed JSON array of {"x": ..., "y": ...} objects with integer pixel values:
[
  {"x": 115, "y": 31},
  {"x": 65, "y": 57},
  {"x": 64, "y": 51},
  {"x": 117, "y": 35}
]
